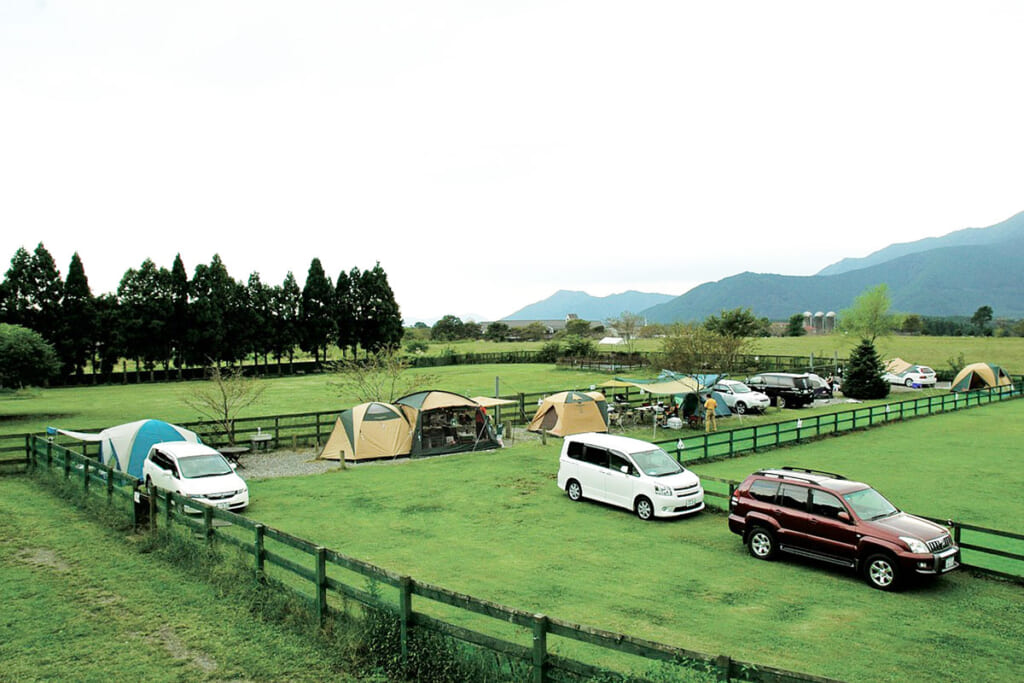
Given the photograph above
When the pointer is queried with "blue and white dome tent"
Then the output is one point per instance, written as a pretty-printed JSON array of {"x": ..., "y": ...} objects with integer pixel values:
[{"x": 124, "y": 447}]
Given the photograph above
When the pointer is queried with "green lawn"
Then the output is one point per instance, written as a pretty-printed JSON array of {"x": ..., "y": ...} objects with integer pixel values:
[
  {"x": 82, "y": 602},
  {"x": 495, "y": 526}
]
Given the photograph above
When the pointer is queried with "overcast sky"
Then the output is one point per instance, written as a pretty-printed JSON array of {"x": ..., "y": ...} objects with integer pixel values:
[{"x": 490, "y": 153}]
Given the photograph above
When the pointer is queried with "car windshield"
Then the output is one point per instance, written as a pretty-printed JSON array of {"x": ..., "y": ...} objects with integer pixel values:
[
  {"x": 740, "y": 388},
  {"x": 869, "y": 504},
  {"x": 656, "y": 463},
  {"x": 196, "y": 466}
]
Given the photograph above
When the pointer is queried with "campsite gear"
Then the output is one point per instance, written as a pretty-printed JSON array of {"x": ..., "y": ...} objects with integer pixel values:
[{"x": 446, "y": 422}]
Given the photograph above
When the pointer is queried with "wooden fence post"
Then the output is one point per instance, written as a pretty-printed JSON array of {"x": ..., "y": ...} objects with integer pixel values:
[
  {"x": 208, "y": 524},
  {"x": 85, "y": 476},
  {"x": 321, "y": 585},
  {"x": 260, "y": 530},
  {"x": 151, "y": 495},
  {"x": 168, "y": 514},
  {"x": 110, "y": 482},
  {"x": 405, "y": 615},
  {"x": 723, "y": 668},
  {"x": 540, "y": 646}
]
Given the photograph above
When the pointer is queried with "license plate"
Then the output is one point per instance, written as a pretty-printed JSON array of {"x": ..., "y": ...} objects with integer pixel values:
[
  {"x": 949, "y": 563},
  {"x": 222, "y": 506}
]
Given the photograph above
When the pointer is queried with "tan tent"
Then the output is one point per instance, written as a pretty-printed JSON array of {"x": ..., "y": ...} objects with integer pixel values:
[
  {"x": 570, "y": 412},
  {"x": 897, "y": 366},
  {"x": 369, "y": 431},
  {"x": 980, "y": 376}
]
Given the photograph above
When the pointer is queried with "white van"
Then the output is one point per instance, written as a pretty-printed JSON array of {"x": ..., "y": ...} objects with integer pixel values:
[{"x": 629, "y": 473}]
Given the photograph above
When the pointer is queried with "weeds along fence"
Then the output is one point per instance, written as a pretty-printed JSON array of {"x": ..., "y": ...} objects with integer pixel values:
[{"x": 327, "y": 581}]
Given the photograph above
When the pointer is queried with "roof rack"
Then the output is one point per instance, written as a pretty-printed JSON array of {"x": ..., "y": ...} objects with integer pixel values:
[{"x": 792, "y": 472}]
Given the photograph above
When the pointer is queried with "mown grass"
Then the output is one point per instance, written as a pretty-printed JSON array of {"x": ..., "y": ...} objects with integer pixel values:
[
  {"x": 495, "y": 525},
  {"x": 85, "y": 602}
]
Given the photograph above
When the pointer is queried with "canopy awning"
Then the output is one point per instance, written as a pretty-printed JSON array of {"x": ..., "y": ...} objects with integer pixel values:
[
  {"x": 489, "y": 402},
  {"x": 681, "y": 385}
]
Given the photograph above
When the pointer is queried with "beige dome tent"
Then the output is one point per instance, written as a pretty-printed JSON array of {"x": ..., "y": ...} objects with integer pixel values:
[
  {"x": 570, "y": 412},
  {"x": 980, "y": 376},
  {"x": 368, "y": 431}
]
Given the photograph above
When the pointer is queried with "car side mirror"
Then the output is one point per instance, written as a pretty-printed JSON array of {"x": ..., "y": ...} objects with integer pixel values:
[
  {"x": 844, "y": 517},
  {"x": 234, "y": 465}
]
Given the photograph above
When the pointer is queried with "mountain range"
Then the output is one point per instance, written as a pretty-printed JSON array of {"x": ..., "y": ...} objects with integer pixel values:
[{"x": 952, "y": 275}]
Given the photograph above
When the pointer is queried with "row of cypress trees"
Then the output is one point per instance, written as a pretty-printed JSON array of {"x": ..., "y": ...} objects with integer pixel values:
[{"x": 162, "y": 317}]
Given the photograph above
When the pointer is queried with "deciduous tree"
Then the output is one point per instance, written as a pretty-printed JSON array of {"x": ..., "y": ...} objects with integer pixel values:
[
  {"x": 26, "y": 359},
  {"x": 869, "y": 317},
  {"x": 223, "y": 398}
]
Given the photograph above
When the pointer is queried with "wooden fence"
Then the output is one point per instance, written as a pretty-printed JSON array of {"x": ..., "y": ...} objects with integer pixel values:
[{"x": 316, "y": 573}]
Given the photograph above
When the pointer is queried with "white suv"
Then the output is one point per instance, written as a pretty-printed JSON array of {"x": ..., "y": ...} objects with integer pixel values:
[
  {"x": 195, "y": 471},
  {"x": 740, "y": 398},
  {"x": 629, "y": 473}
]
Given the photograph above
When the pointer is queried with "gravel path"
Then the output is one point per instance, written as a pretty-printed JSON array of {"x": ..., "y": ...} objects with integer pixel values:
[{"x": 265, "y": 465}]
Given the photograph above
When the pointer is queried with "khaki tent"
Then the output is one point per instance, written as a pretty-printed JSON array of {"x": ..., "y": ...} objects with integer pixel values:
[
  {"x": 369, "y": 431},
  {"x": 897, "y": 366},
  {"x": 570, "y": 412},
  {"x": 444, "y": 422},
  {"x": 980, "y": 376}
]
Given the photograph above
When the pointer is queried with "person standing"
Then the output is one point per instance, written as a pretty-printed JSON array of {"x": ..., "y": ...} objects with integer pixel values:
[{"x": 710, "y": 421}]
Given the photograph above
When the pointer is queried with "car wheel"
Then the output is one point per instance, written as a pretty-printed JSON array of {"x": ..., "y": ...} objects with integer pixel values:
[
  {"x": 780, "y": 401},
  {"x": 882, "y": 572},
  {"x": 574, "y": 490},
  {"x": 761, "y": 543},
  {"x": 644, "y": 508},
  {"x": 741, "y": 407},
  {"x": 909, "y": 383}
]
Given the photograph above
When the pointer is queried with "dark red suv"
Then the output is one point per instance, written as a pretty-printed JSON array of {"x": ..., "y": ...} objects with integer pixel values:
[{"x": 827, "y": 517}]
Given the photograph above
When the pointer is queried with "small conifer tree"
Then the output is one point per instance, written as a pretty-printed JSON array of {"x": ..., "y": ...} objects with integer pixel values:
[{"x": 863, "y": 378}]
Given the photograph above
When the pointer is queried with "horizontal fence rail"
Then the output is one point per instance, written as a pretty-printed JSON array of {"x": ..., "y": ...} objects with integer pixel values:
[{"x": 310, "y": 569}]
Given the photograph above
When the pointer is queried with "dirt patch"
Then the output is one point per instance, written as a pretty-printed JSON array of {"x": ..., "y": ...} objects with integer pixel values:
[
  {"x": 176, "y": 647},
  {"x": 42, "y": 557}
]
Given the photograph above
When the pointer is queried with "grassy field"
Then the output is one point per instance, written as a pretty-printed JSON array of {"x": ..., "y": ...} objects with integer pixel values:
[
  {"x": 32, "y": 410},
  {"x": 83, "y": 602},
  {"x": 496, "y": 526},
  {"x": 934, "y": 351}
]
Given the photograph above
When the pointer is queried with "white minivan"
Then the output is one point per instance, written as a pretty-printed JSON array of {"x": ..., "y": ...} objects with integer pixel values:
[{"x": 629, "y": 473}]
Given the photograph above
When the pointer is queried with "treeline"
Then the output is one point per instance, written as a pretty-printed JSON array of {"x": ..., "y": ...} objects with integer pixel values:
[{"x": 164, "y": 318}]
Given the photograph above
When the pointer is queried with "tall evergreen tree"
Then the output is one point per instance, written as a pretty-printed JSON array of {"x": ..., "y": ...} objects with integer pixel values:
[
  {"x": 284, "y": 331},
  {"x": 145, "y": 304},
  {"x": 260, "y": 311},
  {"x": 178, "y": 325},
  {"x": 78, "y": 318},
  {"x": 210, "y": 292},
  {"x": 380, "y": 320},
  {"x": 33, "y": 291},
  {"x": 110, "y": 346},
  {"x": 316, "y": 311},
  {"x": 346, "y": 310}
]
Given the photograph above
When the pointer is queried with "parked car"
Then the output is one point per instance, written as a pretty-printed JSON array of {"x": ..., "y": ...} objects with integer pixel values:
[
  {"x": 740, "y": 398},
  {"x": 826, "y": 517},
  {"x": 628, "y": 473},
  {"x": 785, "y": 389},
  {"x": 196, "y": 471},
  {"x": 920, "y": 375}
]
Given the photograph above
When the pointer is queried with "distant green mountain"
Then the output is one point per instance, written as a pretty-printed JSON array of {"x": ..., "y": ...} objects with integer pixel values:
[
  {"x": 1008, "y": 230},
  {"x": 587, "y": 307},
  {"x": 952, "y": 280}
]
